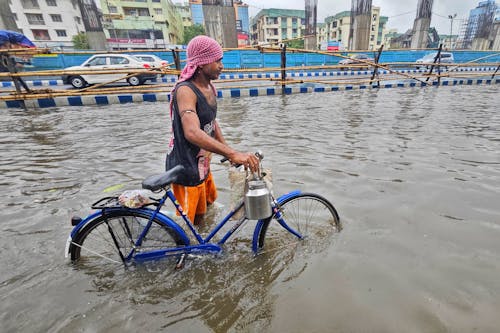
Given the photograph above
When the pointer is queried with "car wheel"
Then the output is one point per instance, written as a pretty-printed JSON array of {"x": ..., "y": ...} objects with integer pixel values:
[
  {"x": 78, "y": 82},
  {"x": 134, "y": 81}
]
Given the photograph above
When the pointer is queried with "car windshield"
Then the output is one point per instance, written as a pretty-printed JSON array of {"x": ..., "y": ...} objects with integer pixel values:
[{"x": 430, "y": 56}]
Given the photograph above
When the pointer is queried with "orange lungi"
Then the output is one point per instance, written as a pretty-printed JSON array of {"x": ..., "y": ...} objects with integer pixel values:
[{"x": 194, "y": 199}]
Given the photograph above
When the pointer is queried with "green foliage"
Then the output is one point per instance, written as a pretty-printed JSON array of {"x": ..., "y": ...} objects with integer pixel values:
[
  {"x": 80, "y": 41},
  {"x": 192, "y": 31},
  {"x": 295, "y": 44}
]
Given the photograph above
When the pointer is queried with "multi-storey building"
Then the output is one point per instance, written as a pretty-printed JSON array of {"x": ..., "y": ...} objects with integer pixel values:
[
  {"x": 480, "y": 23},
  {"x": 197, "y": 11},
  {"x": 53, "y": 23},
  {"x": 185, "y": 11},
  {"x": 275, "y": 25},
  {"x": 242, "y": 23},
  {"x": 337, "y": 29},
  {"x": 378, "y": 29},
  {"x": 141, "y": 24}
]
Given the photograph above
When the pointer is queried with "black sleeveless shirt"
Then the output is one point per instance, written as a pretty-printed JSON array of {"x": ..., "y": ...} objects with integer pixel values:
[{"x": 196, "y": 161}]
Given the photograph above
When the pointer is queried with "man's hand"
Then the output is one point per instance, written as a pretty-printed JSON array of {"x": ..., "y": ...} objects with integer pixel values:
[{"x": 248, "y": 160}]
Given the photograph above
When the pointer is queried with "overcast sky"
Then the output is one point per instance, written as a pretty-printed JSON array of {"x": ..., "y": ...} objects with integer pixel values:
[{"x": 401, "y": 13}]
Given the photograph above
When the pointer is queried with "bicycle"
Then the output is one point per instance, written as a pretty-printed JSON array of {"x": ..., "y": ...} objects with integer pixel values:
[{"x": 126, "y": 235}]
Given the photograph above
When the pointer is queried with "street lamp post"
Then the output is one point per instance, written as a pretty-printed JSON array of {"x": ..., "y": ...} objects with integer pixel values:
[{"x": 451, "y": 17}]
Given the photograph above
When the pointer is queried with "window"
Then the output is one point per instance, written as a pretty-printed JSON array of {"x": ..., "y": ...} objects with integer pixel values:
[
  {"x": 35, "y": 19},
  {"x": 78, "y": 20},
  {"x": 56, "y": 17},
  {"x": 40, "y": 34},
  {"x": 143, "y": 12},
  {"x": 158, "y": 11},
  {"x": 51, "y": 3},
  {"x": 272, "y": 20},
  {"x": 118, "y": 61},
  {"x": 61, "y": 33},
  {"x": 113, "y": 9},
  {"x": 30, "y": 4},
  {"x": 130, "y": 11},
  {"x": 97, "y": 61}
]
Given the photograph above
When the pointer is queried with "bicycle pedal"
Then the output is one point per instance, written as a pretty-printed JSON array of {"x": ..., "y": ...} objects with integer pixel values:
[{"x": 180, "y": 262}]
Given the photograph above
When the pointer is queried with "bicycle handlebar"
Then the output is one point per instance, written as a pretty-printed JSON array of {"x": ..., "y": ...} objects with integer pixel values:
[{"x": 258, "y": 154}]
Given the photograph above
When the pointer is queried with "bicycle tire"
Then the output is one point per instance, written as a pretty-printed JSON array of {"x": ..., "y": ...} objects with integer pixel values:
[
  {"x": 94, "y": 243},
  {"x": 310, "y": 214}
]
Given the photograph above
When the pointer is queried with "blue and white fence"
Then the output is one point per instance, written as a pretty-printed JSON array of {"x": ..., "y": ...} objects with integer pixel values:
[{"x": 228, "y": 93}]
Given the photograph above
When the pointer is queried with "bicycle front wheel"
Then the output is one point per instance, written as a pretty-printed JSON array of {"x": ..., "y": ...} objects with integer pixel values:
[
  {"x": 112, "y": 237},
  {"x": 309, "y": 215}
]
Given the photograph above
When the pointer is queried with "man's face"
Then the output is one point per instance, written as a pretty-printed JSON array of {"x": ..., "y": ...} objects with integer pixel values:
[{"x": 213, "y": 70}]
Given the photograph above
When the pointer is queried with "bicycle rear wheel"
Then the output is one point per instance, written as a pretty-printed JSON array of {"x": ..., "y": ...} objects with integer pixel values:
[
  {"x": 310, "y": 215},
  {"x": 111, "y": 238}
]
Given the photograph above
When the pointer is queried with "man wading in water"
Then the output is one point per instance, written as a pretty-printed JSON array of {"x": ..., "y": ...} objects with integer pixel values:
[{"x": 195, "y": 131}]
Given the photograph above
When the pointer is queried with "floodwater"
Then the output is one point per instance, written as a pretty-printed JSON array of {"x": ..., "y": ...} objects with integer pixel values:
[{"x": 413, "y": 172}]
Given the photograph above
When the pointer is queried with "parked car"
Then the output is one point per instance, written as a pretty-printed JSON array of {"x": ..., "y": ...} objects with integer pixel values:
[
  {"x": 101, "y": 62},
  {"x": 152, "y": 59},
  {"x": 357, "y": 59},
  {"x": 445, "y": 58}
]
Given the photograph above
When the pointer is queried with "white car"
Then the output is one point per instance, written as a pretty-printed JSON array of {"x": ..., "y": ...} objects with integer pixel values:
[
  {"x": 152, "y": 59},
  {"x": 428, "y": 59},
  {"x": 359, "y": 60},
  {"x": 102, "y": 62}
]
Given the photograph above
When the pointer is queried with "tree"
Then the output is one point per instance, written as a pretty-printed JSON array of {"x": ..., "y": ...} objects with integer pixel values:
[
  {"x": 192, "y": 31},
  {"x": 295, "y": 44},
  {"x": 80, "y": 41}
]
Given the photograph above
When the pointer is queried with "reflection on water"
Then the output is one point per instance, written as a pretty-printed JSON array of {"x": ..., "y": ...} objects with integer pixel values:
[{"x": 414, "y": 174}]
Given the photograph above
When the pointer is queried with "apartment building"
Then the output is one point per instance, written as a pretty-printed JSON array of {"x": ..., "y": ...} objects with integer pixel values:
[
  {"x": 185, "y": 11},
  {"x": 52, "y": 23},
  {"x": 275, "y": 25},
  {"x": 337, "y": 29},
  {"x": 377, "y": 29},
  {"x": 141, "y": 24}
]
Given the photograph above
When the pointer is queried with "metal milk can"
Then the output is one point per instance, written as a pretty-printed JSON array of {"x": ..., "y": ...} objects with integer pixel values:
[{"x": 257, "y": 200}]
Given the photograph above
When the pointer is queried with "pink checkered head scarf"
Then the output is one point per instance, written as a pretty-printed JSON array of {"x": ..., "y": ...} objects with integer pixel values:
[{"x": 201, "y": 50}]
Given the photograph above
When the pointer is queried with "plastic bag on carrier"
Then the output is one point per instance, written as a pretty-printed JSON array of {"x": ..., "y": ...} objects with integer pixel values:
[
  {"x": 238, "y": 179},
  {"x": 134, "y": 198}
]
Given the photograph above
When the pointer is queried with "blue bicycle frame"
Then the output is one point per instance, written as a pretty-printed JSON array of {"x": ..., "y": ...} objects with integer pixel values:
[{"x": 203, "y": 245}]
